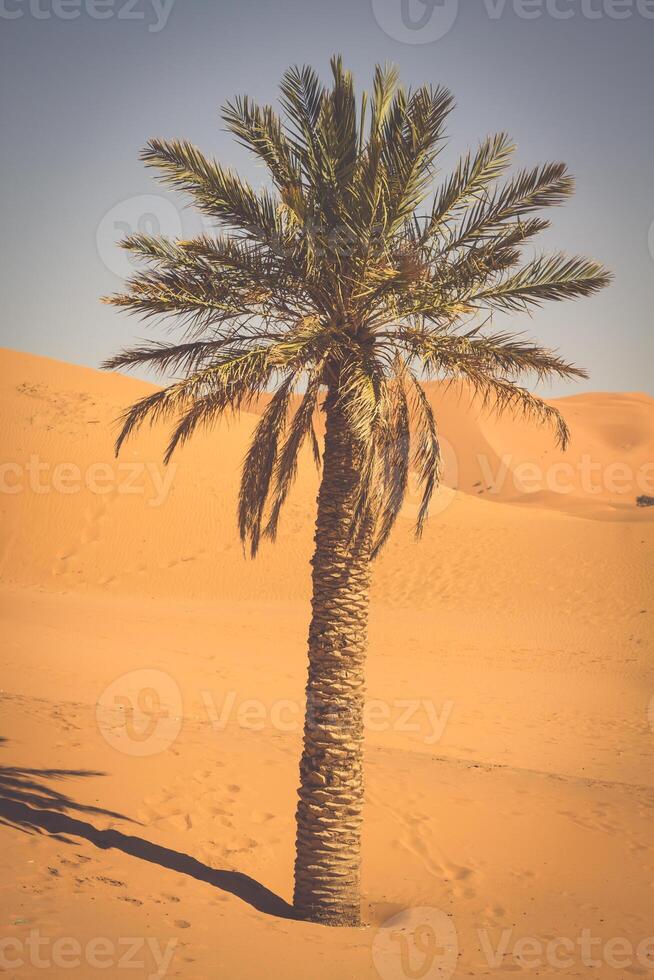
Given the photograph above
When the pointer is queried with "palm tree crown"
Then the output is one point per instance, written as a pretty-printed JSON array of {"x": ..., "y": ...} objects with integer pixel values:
[{"x": 347, "y": 273}]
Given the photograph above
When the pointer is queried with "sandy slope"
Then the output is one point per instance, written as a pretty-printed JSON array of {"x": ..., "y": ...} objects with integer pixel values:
[{"x": 509, "y": 749}]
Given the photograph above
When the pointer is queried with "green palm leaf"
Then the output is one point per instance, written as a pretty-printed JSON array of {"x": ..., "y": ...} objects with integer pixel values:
[{"x": 334, "y": 280}]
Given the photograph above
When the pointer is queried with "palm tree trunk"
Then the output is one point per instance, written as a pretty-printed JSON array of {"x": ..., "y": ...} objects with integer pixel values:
[{"x": 329, "y": 813}]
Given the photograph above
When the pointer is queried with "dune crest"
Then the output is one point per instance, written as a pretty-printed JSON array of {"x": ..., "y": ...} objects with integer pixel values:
[{"x": 133, "y": 524}]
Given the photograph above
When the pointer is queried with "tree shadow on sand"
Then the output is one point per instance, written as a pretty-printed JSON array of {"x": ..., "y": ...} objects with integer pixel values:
[{"x": 29, "y": 805}]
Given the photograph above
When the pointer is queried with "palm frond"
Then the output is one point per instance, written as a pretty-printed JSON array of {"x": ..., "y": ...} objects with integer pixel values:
[
  {"x": 500, "y": 396},
  {"x": 529, "y": 191},
  {"x": 348, "y": 272},
  {"x": 413, "y": 137},
  {"x": 470, "y": 180},
  {"x": 553, "y": 277},
  {"x": 259, "y": 128},
  {"x": 300, "y": 429},
  {"x": 217, "y": 192},
  {"x": 502, "y": 354},
  {"x": 233, "y": 381},
  {"x": 394, "y": 453},
  {"x": 259, "y": 464},
  {"x": 427, "y": 460},
  {"x": 164, "y": 358},
  {"x": 361, "y": 389}
]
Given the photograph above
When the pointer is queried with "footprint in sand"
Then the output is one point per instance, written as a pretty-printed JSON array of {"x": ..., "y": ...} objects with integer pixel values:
[
  {"x": 179, "y": 821},
  {"x": 183, "y": 559},
  {"x": 110, "y": 881},
  {"x": 258, "y": 817}
]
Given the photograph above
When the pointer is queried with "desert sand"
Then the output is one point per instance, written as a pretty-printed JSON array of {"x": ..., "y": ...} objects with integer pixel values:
[{"x": 152, "y": 690}]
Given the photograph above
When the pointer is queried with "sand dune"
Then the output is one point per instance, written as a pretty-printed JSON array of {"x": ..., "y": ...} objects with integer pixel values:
[{"x": 509, "y": 744}]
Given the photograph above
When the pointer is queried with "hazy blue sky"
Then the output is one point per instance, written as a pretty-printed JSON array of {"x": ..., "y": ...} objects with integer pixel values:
[{"x": 84, "y": 83}]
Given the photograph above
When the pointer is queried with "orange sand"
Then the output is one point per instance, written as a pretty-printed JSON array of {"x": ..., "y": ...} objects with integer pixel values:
[{"x": 509, "y": 747}]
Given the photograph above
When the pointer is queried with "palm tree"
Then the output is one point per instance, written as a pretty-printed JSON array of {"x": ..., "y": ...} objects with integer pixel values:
[{"x": 337, "y": 287}]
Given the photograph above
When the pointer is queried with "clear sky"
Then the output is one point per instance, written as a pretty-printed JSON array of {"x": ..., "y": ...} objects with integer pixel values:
[{"x": 84, "y": 83}]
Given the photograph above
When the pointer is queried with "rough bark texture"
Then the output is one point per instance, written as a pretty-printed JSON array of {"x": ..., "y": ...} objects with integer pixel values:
[{"x": 329, "y": 813}]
